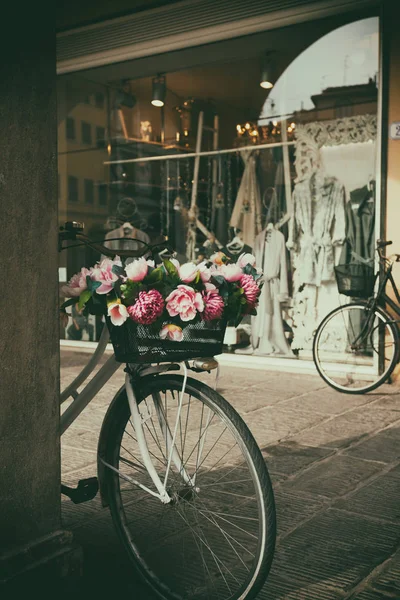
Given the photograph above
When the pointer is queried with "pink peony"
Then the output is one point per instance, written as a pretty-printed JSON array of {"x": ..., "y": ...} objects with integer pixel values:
[
  {"x": 172, "y": 332},
  {"x": 103, "y": 272},
  {"x": 188, "y": 272},
  {"x": 76, "y": 285},
  {"x": 137, "y": 269},
  {"x": 213, "y": 303},
  {"x": 250, "y": 289},
  {"x": 148, "y": 307},
  {"x": 185, "y": 302},
  {"x": 230, "y": 272},
  {"x": 246, "y": 259},
  {"x": 117, "y": 312}
]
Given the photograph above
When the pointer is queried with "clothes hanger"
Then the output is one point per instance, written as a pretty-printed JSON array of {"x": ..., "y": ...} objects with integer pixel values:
[{"x": 236, "y": 243}]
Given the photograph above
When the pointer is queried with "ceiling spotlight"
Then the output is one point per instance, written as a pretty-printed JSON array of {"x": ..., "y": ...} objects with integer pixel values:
[
  {"x": 268, "y": 72},
  {"x": 159, "y": 91}
]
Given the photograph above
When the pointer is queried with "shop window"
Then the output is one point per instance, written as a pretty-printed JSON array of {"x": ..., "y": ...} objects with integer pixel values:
[
  {"x": 99, "y": 99},
  {"x": 86, "y": 130},
  {"x": 73, "y": 195},
  {"x": 100, "y": 137},
  {"x": 297, "y": 158},
  {"x": 70, "y": 128},
  {"x": 89, "y": 191},
  {"x": 103, "y": 194}
]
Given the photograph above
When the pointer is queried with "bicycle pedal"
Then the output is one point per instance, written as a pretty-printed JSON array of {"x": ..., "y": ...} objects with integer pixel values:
[{"x": 86, "y": 490}]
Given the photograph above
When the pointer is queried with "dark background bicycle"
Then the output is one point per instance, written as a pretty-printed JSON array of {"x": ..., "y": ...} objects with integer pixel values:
[{"x": 356, "y": 346}]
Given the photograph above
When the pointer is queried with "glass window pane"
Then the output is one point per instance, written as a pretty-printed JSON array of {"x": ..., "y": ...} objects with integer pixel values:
[{"x": 86, "y": 133}]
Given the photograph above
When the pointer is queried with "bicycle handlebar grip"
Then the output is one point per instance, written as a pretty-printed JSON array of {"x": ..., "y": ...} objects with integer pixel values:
[{"x": 383, "y": 244}]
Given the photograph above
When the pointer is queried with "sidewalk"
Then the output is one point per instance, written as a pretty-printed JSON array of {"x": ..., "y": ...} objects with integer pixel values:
[{"x": 334, "y": 460}]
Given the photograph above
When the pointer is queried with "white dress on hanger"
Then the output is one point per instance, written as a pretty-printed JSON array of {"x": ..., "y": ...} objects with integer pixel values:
[
  {"x": 267, "y": 331},
  {"x": 246, "y": 214}
]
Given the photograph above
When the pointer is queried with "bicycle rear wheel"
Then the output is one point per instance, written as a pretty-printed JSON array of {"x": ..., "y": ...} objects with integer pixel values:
[
  {"x": 356, "y": 349},
  {"x": 215, "y": 540}
]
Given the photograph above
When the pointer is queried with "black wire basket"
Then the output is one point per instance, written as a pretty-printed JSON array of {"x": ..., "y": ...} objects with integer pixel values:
[
  {"x": 135, "y": 343},
  {"x": 355, "y": 280}
]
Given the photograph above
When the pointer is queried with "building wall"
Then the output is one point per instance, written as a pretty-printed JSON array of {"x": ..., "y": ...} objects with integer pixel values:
[{"x": 393, "y": 175}]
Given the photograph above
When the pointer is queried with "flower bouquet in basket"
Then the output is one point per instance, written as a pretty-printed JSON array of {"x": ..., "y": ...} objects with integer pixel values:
[{"x": 150, "y": 308}]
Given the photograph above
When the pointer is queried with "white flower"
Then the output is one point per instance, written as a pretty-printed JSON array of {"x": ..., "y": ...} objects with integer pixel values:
[
  {"x": 188, "y": 272},
  {"x": 117, "y": 312},
  {"x": 246, "y": 259}
]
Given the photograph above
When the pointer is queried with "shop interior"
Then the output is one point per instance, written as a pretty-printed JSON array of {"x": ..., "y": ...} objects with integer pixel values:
[{"x": 217, "y": 148}]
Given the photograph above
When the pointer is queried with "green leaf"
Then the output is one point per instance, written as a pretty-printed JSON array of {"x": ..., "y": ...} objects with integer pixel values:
[
  {"x": 219, "y": 279},
  {"x": 92, "y": 285},
  {"x": 69, "y": 302},
  {"x": 155, "y": 276},
  {"x": 118, "y": 270},
  {"x": 83, "y": 298},
  {"x": 170, "y": 268}
]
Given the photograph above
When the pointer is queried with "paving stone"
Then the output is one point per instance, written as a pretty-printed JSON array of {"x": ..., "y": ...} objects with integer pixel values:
[
  {"x": 369, "y": 595},
  {"x": 280, "y": 589},
  {"x": 292, "y": 509},
  {"x": 389, "y": 580},
  {"x": 288, "y": 458},
  {"x": 379, "y": 499},
  {"x": 73, "y": 459},
  {"x": 250, "y": 399},
  {"x": 383, "y": 447},
  {"x": 331, "y": 402},
  {"x": 348, "y": 428},
  {"x": 334, "y": 477},
  {"x": 335, "y": 548},
  {"x": 278, "y": 422}
]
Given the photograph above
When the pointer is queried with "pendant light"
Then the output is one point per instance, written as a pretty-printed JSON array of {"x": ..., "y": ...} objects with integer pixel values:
[
  {"x": 268, "y": 71},
  {"x": 159, "y": 91}
]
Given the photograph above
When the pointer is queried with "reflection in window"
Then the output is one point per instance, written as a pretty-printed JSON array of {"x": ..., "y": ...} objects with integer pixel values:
[
  {"x": 86, "y": 133},
  {"x": 73, "y": 195},
  {"x": 89, "y": 191},
  {"x": 100, "y": 137},
  {"x": 103, "y": 196},
  {"x": 99, "y": 100},
  {"x": 70, "y": 128},
  {"x": 321, "y": 82}
]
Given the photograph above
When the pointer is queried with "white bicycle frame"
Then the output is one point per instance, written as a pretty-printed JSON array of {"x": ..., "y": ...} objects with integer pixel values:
[{"x": 83, "y": 398}]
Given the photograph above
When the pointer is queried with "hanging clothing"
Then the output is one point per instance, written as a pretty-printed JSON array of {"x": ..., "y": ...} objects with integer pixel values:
[
  {"x": 267, "y": 328},
  {"x": 317, "y": 225},
  {"x": 247, "y": 211},
  {"x": 130, "y": 241},
  {"x": 360, "y": 227}
]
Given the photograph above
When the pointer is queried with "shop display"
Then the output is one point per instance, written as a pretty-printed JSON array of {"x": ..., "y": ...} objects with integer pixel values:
[
  {"x": 267, "y": 328},
  {"x": 246, "y": 214}
]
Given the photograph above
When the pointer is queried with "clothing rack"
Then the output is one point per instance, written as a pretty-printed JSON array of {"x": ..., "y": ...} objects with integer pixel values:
[{"x": 253, "y": 147}]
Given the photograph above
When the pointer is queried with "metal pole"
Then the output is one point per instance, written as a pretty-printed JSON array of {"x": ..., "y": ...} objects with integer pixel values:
[{"x": 195, "y": 154}]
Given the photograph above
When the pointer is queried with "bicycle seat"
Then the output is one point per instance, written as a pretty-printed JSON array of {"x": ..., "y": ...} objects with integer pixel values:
[{"x": 204, "y": 364}]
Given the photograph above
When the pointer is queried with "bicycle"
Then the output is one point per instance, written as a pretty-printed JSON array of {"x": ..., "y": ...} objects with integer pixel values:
[
  {"x": 188, "y": 489},
  {"x": 356, "y": 346}
]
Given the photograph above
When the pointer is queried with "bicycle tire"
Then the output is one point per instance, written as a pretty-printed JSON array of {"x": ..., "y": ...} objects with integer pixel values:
[
  {"x": 118, "y": 416},
  {"x": 363, "y": 311}
]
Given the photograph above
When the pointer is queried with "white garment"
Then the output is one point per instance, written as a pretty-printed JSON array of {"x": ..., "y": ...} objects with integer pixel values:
[
  {"x": 317, "y": 226},
  {"x": 246, "y": 214},
  {"x": 128, "y": 243},
  {"x": 268, "y": 335}
]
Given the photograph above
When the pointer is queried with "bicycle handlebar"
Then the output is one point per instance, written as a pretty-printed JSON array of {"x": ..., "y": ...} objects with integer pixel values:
[{"x": 74, "y": 231}]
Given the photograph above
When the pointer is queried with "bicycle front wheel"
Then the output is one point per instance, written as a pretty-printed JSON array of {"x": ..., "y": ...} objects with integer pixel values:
[
  {"x": 355, "y": 348},
  {"x": 215, "y": 539}
]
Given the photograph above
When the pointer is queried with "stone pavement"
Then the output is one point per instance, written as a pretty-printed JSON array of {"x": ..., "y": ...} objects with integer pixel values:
[{"x": 334, "y": 460}]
